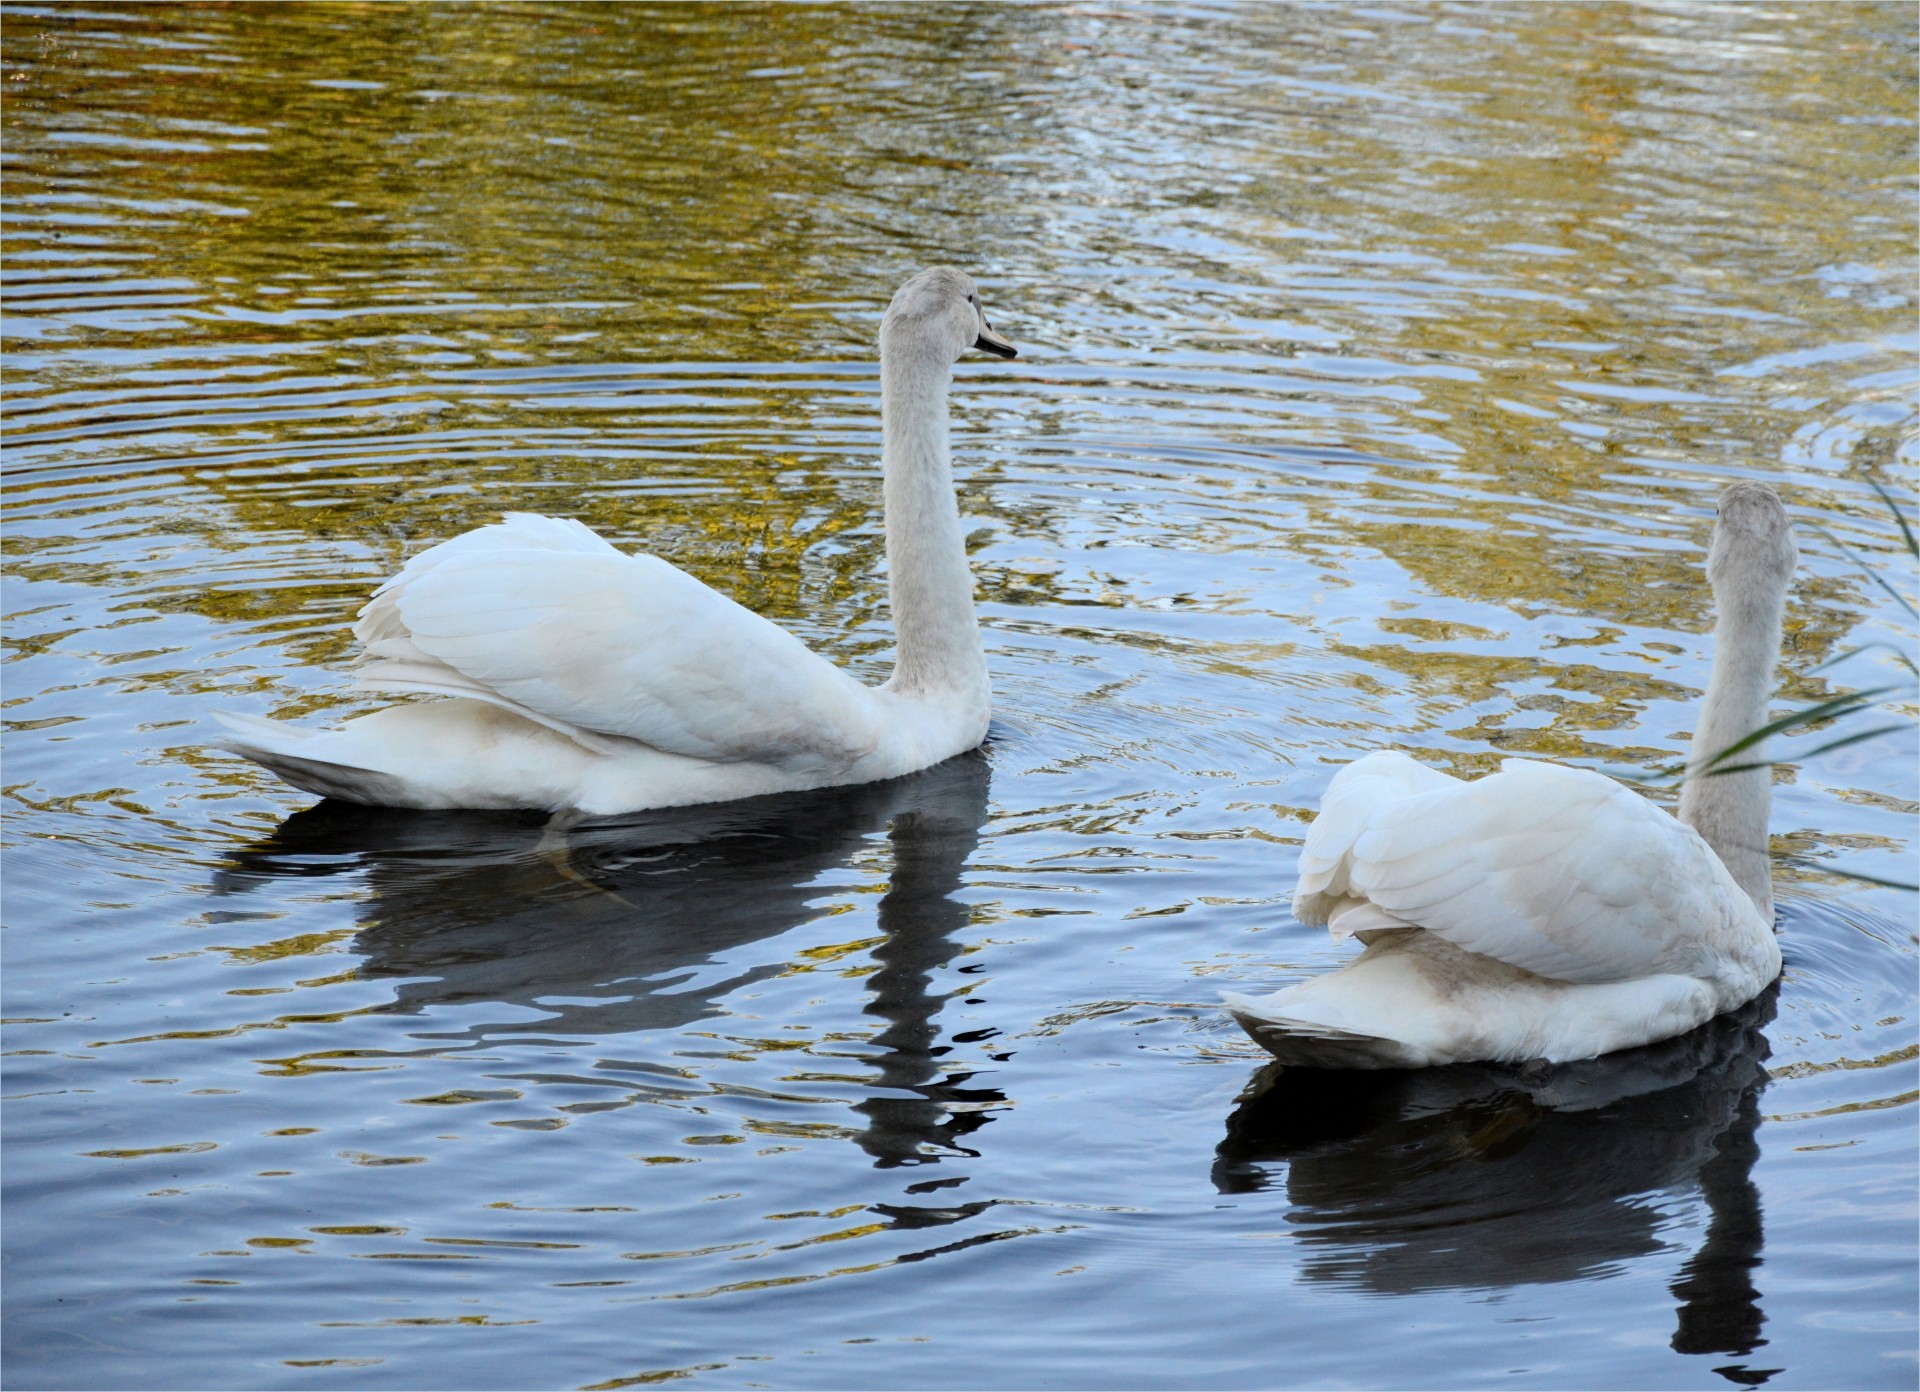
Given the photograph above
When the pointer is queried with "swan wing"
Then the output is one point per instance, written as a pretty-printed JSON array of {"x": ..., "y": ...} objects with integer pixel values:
[
  {"x": 1357, "y": 793},
  {"x": 545, "y": 618},
  {"x": 1561, "y": 872}
]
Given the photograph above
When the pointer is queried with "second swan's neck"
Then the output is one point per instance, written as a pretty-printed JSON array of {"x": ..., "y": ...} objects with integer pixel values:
[
  {"x": 1730, "y": 809},
  {"x": 929, "y": 584}
]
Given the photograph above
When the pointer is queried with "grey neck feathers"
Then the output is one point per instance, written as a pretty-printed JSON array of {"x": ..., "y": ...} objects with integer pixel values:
[
  {"x": 1730, "y": 809},
  {"x": 929, "y": 584}
]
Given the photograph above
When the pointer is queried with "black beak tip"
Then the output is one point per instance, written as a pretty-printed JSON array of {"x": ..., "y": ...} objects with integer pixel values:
[{"x": 1001, "y": 349}]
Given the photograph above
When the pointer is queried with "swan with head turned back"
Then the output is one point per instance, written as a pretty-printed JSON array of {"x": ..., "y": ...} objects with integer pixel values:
[
  {"x": 1544, "y": 912},
  {"x": 576, "y": 677}
]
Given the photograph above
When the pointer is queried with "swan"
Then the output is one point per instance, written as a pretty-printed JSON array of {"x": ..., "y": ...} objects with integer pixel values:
[
  {"x": 1544, "y": 912},
  {"x": 577, "y": 678}
]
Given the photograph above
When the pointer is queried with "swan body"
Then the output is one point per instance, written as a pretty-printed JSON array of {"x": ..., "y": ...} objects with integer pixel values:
[
  {"x": 1538, "y": 912},
  {"x": 577, "y": 677},
  {"x": 1544, "y": 912}
]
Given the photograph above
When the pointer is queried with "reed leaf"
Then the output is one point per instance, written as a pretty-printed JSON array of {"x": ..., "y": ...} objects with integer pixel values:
[
  {"x": 1805, "y": 863},
  {"x": 1833, "y": 709},
  {"x": 1799, "y": 755},
  {"x": 1870, "y": 572},
  {"x": 1913, "y": 547},
  {"x": 1899, "y": 655}
]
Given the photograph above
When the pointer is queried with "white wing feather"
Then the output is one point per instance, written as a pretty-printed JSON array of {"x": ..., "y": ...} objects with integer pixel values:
[
  {"x": 545, "y": 618},
  {"x": 1356, "y": 793},
  {"x": 1561, "y": 872}
]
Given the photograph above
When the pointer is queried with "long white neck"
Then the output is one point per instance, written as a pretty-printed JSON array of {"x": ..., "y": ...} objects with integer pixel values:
[
  {"x": 1730, "y": 809},
  {"x": 929, "y": 584}
]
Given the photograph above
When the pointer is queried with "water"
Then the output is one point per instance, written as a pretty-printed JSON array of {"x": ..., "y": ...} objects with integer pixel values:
[{"x": 1380, "y": 366}]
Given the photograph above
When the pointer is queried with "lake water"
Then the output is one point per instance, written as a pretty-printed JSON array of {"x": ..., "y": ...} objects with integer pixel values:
[{"x": 1380, "y": 366}]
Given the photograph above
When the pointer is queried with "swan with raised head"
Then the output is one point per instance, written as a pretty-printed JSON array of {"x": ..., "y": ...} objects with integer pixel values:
[
  {"x": 576, "y": 677},
  {"x": 1544, "y": 912}
]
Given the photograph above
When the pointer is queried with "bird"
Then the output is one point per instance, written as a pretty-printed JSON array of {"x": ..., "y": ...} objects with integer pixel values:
[
  {"x": 575, "y": 678},
  {"x": 1545, "y": 912}
]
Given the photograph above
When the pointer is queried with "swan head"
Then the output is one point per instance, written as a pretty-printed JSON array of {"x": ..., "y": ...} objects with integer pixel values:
[
  {"x": 1753, "y": 539},
  {"x": 941, "y": 306}
]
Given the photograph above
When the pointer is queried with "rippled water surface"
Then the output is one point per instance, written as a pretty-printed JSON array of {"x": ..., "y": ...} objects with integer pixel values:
[{"x": 1380, "y": 366}]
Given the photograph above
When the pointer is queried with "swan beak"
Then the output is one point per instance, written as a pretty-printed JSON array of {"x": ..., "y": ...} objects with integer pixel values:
[{"x": 991, "y": 342}]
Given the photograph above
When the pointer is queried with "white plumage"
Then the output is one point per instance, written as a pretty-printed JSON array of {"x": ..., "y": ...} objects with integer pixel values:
[
  {"x": 543, "y": 618},
  {"x": 583, "y": 678},
  {"x": 1541, "y": 911}
]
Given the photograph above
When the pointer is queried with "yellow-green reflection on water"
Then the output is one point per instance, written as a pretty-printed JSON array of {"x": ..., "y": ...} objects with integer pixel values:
[{"x": 1379, "y": 367}]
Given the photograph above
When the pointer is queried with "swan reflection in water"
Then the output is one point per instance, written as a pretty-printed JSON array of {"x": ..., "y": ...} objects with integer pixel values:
[
  {"x": 1484, "y": 1177},
  {"x": 619, "y": 927}
]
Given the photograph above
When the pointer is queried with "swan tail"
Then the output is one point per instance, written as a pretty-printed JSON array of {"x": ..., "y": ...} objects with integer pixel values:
[
  {"x": 1311, "y": 1044},
  {"x": 279, "y": 748}
]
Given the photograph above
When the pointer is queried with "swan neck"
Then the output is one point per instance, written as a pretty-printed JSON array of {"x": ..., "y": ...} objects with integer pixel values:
[
  {"x": 1730, "y": 810},
  {"x": 929, "y": 585}
]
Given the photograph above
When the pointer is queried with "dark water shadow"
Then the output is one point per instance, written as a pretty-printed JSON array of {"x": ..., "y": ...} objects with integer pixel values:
[
  {"x": 1482, "y": 1178},
  {"x": 617, "y": 927},
  {"x": 930, "y": 1107}
]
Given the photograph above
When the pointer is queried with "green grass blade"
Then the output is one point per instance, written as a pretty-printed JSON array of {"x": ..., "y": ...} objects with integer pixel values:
[
  {"x": 1825, "y": 710},
  {"x": 1913, "y": 547},
  {"x": 1801, "y": 755},
  {"x": 1870, "y": 572},
  {"x": 1803, "y": 863},
  {"x": 1898, "y": 652}
]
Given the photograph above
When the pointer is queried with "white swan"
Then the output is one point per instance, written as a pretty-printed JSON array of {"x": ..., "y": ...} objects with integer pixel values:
[
  {"x": 585, "y": 679},
  {"x": 1544, "y": 912}
]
